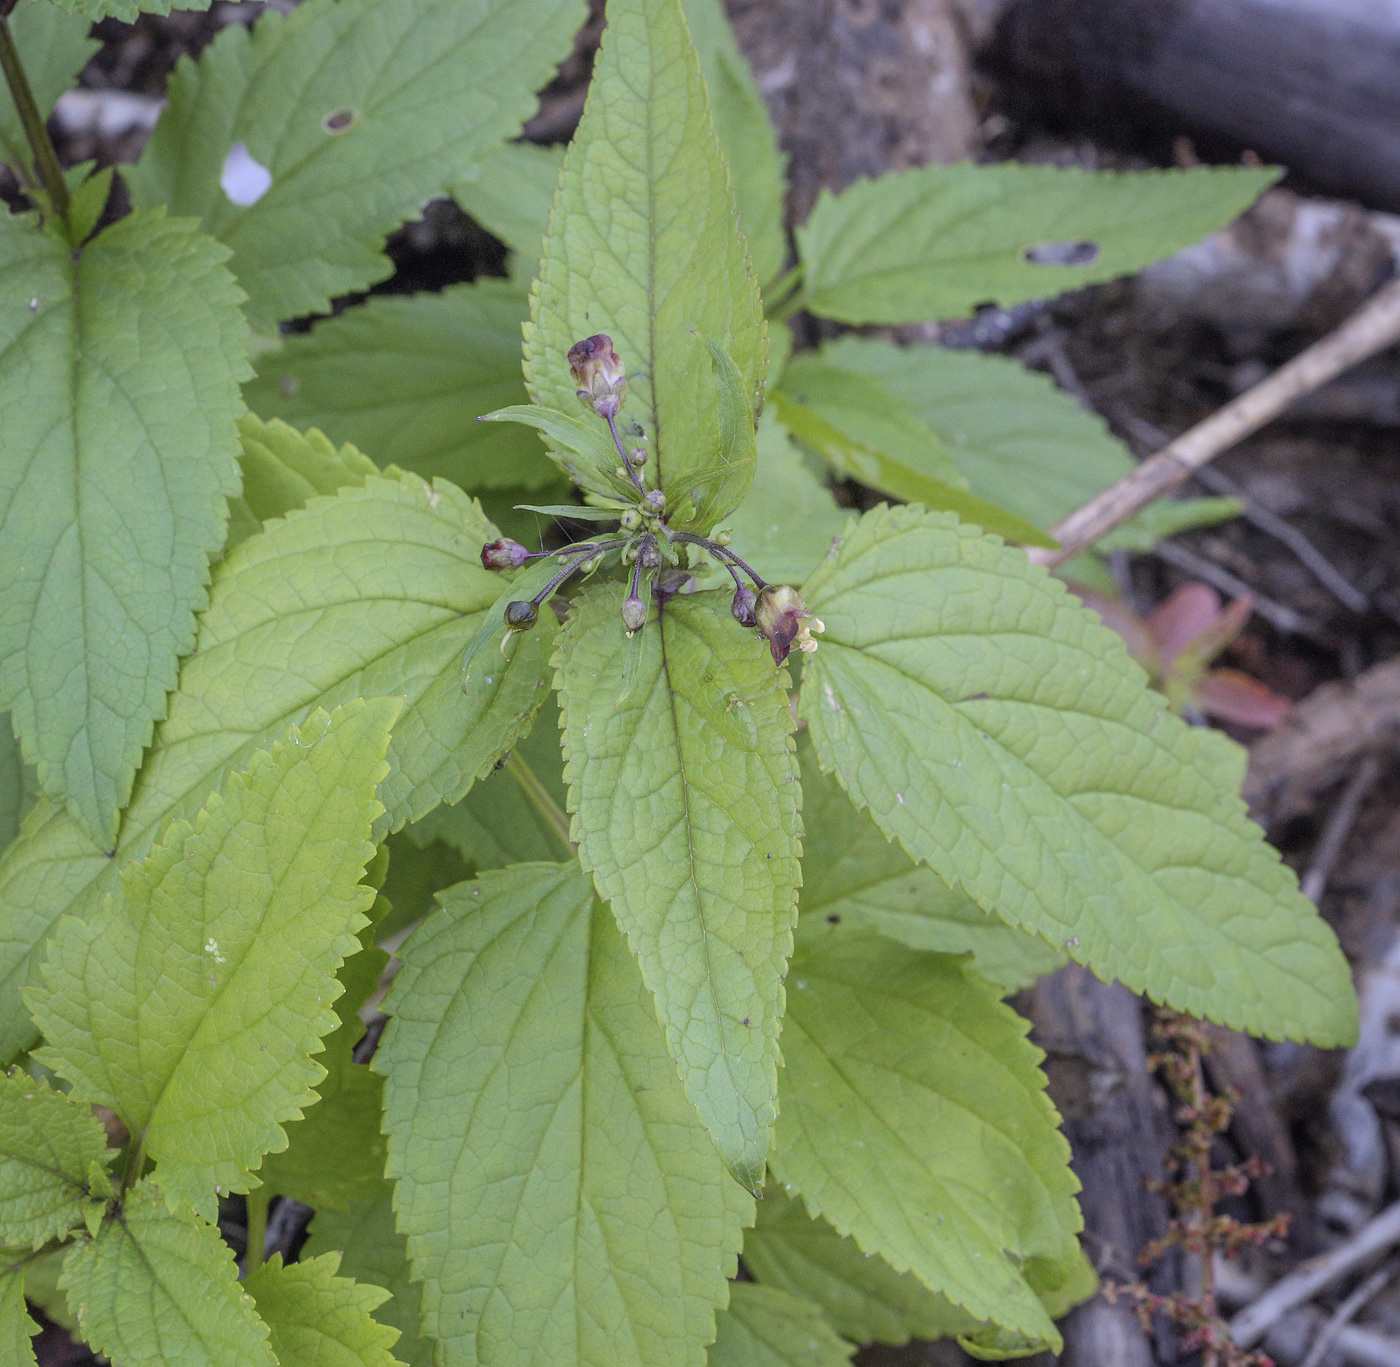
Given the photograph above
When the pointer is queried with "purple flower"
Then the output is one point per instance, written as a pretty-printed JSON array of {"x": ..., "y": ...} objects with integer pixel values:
[
  {"x": 782, "y": 617},
  {"x": 504, "y": 554},
  {"x": 599, "y": 374}
]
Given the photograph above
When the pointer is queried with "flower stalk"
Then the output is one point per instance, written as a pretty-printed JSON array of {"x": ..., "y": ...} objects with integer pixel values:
[{"x": 646, "y": 542}]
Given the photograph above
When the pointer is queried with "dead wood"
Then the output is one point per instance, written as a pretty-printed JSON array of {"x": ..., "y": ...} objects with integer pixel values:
[{"x": 1320, "y": 741}]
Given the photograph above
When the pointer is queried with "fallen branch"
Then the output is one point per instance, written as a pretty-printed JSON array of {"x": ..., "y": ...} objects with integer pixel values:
[
  {"x": 1314, "y": 1276},
  {"x": 1372, "y": 328},
  {"x": 1348, "y": 1311},
  {"x": 1338, "y": 827}
]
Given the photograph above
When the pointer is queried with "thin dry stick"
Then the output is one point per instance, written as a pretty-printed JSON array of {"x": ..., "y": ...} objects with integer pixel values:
[
  {"x": 1372, "y": 328},
  {"x": 1347, "y": 1311},
  {"x": 1304, "y": 1282},
  {"x": 1338, "y": 827},
  {"x": 1322, "y": 569}
]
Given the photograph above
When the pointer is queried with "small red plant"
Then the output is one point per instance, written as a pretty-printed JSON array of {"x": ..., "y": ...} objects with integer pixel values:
[{"x": 1177, "y": 643}]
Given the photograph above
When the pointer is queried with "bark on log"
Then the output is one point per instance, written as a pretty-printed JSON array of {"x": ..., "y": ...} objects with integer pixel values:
[
  {"x": 1097, "y": 1064},
  {"x": 1314, "y": 84},
  {"x": 860, "y": 87}
]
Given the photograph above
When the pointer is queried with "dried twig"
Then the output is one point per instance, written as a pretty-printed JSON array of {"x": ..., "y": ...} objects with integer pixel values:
[
  {"x": 1348, "y": 1310},
  {"x": 1321, "y": 740},
  {"x": 1276, "y": 614},
  {"x": 1364, "y": 1347},
  {"x": 1338, "y": 827},
  {"x": 1322, "y": 569},
  {"x": 1370, "y": 329},
  {"x": 1316, "y": 1275}
]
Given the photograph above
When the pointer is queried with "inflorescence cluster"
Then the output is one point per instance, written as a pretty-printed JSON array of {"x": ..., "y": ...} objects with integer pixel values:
[{"x": 645, "y": 541}]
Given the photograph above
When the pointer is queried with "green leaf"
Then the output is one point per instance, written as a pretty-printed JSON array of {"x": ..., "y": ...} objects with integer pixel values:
[
  {"x": 870, "y": 435},
  {"x": 996, "y": 729},
  {"x": 758, "y": 169},
  {"x": 120, "y": 366},
  {"x": 867, "y": 415},
  {"x": 643, "y": 246},
  {"x": 193, "y": 1005},
  {"x": 361, "y": 112},
  {"x": 789, "y": 520},
  {"x": 54, "y": 48},
  {"x": 509, "y": 194},
  {"x": 41, "y": 1288},
  {"x": 374, "y": 1252},
  {"x": 577, "y": 511},
  {"x": 158, "y": 1287},
  {"x": 406, "y": 377},
  {"x": 855, "y": 879},
  {"x": 335, "y": 1152},
  {"x": 937, "y": 241},
  {"x": 1021, "y": 441},
  {"x": 376, "y": 591},
  {"x": 685, "y": 802},
  {"x": 862, "y": 1295},
  {"x": 720, "y": 487},
  {"x": 588, "y": 455},
  {"x": 1167, "y": 517},
  {"x": 561, "y": 1202},
  {"x": 317, "y": 1319},
  {"x": 765, "y": 1327},
  {"x": 415, "y": 877},
  {"x": 127, "y": 10},
  {"x": 284, "y": 469},
  {"x": 50, "y": 1146},
  {"x": 17, "y": 1330},
  {"x": 914, "y": 1118},
  {"x": 19, "y": 785},
  {"x": 496, "y": 823}
]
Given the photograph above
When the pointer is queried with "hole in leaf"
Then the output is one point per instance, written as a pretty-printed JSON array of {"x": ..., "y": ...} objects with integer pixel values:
[
  {"x": 338, "y": 120},
  {"x": 244, "y": 179},
  {"x": 1068, "y": 253}
]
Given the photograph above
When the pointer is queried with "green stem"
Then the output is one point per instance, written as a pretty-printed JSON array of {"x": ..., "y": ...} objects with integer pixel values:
[
  {"x": 45, "y": 158},
  {"x": 258, "y": 1200},
  {"x": 135, "y": 1161},
  {"x": 544, "y": 804}
]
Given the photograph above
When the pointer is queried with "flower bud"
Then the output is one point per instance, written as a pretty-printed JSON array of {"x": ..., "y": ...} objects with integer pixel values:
[
  {"x": 655, "y": 502},
  {"x": 599, "y": 374},
  {"x": 634, "y": 614},
  {"x": 742, "y": 606},
  {"x": 637, "y": 456},
  {"x": 723, "y": 538},
  {"x": 630, "y": 520},
  {"x": 504, "y": 554},
  {"x": 650, "y": 555},
  {"x": 521, "y": 616},
  {"x": 782, "y": 617}
]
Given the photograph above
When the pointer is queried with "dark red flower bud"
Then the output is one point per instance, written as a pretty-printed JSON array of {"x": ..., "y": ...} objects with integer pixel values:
[
  {"x": 782, "y": 617},
  {"x": 504, "y": 554},
  {"x": 599, "y": 374},
  {"x": 742, "y": 606}
]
